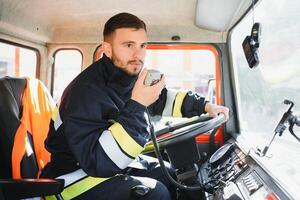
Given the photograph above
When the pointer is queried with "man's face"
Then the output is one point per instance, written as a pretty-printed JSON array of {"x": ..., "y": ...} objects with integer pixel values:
[{"x": 128, "y": 47}]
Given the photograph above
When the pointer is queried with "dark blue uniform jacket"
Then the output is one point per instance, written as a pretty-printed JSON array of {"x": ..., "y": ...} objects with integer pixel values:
[{"x": 95, "y": 114}]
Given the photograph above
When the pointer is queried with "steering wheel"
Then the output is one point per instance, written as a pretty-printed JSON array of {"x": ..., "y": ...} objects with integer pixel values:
[
  {"x": 188, "y": 130},
  {"x": 182, "y": 134}
]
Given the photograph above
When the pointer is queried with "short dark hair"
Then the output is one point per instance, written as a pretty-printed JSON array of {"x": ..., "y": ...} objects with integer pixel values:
[{"x": 122, "y": 20}]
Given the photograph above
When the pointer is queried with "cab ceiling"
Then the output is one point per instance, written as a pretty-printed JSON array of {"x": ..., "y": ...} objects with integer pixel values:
[{"x": 81, "y": 21}]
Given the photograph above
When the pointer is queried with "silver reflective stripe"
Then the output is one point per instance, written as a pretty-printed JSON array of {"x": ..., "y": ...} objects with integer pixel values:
[
  {"x": 57, "y": 121},
  {"x": 113, "y": 150},
  {"x": 168, "y": 110},
  {"x": 73, "y": 177}
]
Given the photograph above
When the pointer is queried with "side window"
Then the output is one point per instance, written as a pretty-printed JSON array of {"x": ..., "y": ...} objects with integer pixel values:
[
  {"x": 67, "y": 65},
  {"x": 189, "y": 67},
  {"x": 17, "y": 61}
]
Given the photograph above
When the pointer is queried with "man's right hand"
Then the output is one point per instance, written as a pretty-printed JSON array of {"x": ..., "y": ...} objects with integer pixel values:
[{"x": 146, "y": 95}]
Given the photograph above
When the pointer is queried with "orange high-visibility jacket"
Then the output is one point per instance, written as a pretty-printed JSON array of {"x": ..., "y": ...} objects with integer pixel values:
[{"x": 36, "y": 114}]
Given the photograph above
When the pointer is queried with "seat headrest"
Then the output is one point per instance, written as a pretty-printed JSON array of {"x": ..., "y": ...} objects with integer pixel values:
[{"x": 11, "y": 90}]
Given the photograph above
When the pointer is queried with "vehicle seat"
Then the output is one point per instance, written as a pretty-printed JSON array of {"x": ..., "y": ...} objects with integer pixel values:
[{"x": 25, "y": 112}]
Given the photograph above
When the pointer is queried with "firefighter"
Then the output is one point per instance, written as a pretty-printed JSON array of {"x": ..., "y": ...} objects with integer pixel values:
[{"x": 100, "y": 127}]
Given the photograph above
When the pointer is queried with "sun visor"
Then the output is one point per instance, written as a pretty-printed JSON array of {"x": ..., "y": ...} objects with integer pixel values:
[{"x": 219, "y": 15}]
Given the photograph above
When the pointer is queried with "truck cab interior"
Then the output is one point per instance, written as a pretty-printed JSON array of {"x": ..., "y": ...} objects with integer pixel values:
[{"x": 240, "y": 54}]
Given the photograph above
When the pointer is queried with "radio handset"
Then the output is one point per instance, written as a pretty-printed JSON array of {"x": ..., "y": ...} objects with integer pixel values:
[{"x": 153, "y": 76}]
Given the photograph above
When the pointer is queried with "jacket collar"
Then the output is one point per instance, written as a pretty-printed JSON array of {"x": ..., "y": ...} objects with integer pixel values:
[{"x": 117, "y": 79}]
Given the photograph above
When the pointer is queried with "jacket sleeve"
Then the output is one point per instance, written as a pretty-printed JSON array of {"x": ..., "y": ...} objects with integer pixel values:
[
  {"x": 103, "y": 145},
  {"x": 174, "y": 103}
]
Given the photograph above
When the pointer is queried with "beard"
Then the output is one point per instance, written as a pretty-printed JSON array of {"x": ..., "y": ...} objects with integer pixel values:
[{"x": 126, "y": 67}]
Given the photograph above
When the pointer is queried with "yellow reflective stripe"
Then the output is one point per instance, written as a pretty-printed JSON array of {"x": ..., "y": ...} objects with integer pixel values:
[
  {"x": 127, "y": 143},
  {"x": 54, "y": 113},
  {"x": 178, "y": 104},
  {"x": 149, "y": 148},
  {"x": 80, "y": 187},
  {"x": 50, "y": 197}
]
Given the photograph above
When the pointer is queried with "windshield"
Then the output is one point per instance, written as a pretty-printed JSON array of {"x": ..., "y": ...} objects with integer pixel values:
[{"x": 260, "y": 91}]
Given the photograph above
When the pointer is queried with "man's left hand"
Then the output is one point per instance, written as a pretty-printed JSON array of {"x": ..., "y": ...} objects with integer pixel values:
[{"x": 213, "y": 110}]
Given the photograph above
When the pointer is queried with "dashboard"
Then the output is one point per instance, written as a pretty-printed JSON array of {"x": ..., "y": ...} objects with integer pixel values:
[{"x": 235, "y": 175}]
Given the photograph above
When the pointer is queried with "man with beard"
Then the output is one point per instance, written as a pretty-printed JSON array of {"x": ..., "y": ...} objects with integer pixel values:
[{"x": 100, "y": 129}]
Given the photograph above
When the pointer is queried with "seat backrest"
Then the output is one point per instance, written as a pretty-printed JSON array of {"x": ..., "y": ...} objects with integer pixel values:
[{"x": 25, "y": 111}]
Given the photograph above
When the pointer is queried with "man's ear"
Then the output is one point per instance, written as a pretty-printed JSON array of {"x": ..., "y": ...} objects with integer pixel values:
[{"x": 107, "y": 49}]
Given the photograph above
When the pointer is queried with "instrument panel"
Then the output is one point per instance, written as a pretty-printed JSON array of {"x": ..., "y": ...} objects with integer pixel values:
[{"x": 237, "y": 176}]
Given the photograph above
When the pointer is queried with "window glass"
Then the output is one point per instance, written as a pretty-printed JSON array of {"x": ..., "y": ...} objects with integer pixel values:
[
  {"x": 262, "y": 90},
  {"x": 17, "y": 61},
  {"x": 67, "y": 66},
  {"x": 185, "y": 67}
]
